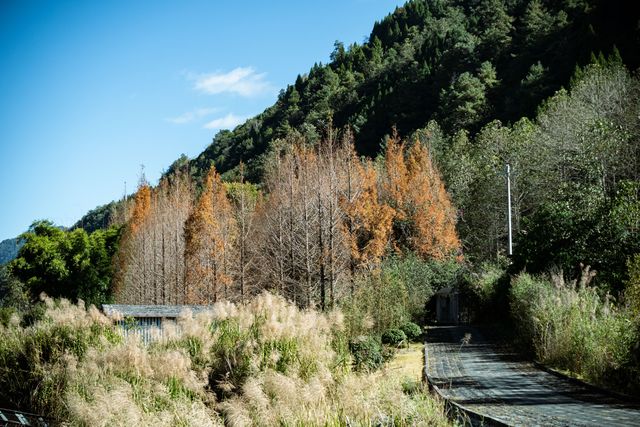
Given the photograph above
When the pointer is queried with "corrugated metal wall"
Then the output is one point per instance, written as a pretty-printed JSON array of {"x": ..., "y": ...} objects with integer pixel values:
[{"x": 147, "y": 328}]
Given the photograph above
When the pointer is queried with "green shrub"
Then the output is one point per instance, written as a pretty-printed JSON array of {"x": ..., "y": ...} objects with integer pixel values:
[
  {"x": 574, "y": 329},
  {"x": 525, "y": 297},
  {"x": 33, "y": 314},
  {"x": 484, "y": 293},
  {"x": 6, "y": 314},
  {"x": 396, "y": 294},
  {"x": 379, "y": 303},
  {"x": 367, "y": 353},
  {"x": 632, "y": 288},
  {"x": 393, "y": 337},
  {"x": 421, "y": 279},
  {"x": 13, "y": 293},
  {"x": 412, "y": 331}
]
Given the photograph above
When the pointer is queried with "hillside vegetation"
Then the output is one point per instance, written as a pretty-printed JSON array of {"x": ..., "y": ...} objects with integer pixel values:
[
  {"x": 265, "y": 362},
  {"x": 460, "y": 62},
  {"x": 463, "y": 63}
]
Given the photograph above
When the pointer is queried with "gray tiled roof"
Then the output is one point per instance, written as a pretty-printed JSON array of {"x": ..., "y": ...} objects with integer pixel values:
[{"x": 167, "y": 311}]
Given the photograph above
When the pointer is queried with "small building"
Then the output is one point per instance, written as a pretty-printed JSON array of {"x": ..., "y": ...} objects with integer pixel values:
[
  {"x": 447, "y": 310},
  {"x": 148, "y": 320}
]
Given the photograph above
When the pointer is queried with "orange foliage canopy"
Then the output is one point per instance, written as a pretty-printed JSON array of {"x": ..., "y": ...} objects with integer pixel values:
[
  {"x": 396, "y": 181},
  {"x": 425, "y": 218},
  {"x": 434, "y": 215},
  {"x": 370, "y": 220},
  {"x": 141, "y": 208},
  {"x": 208, "y": 232}
]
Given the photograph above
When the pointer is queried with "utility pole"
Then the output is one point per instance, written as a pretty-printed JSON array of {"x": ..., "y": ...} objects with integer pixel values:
[{"x": 509, "y": 207}]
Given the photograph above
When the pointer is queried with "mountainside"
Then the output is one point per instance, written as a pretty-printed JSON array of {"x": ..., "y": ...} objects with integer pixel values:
[
  {"x": 323, "y": 214},
  {"x": 97, "y": 218},
  {"x": 8, "y": 250},
  {"x": 485, "y": 146},
  {"x": 462, "y": 62}
]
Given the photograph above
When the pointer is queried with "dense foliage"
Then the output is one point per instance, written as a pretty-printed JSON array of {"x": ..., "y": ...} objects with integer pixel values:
[
  {"x": 71, "y": 264},
  {"x": 478, "y": 84},
  {"x": 412, "y": 331},
  {"x": 13, "y": 294},
  {"x": 574, "y": 183},
  {"x": 462, "y": 62},
  {"x": 318, "y": 231},
  {"x": 393, "y": 337},
  {"x": 99, "y": 218},
  {"x": 467, "y": 63}
]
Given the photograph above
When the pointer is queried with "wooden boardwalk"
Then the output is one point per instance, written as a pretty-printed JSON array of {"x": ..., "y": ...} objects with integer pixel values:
[{"x": 485, "y": 380}]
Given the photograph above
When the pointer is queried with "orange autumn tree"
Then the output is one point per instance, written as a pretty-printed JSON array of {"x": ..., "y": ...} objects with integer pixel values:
[
  {"x": 434, "y": 216},
  {"x": 395, "y": 189},
  {"x": 425, "y": 218},
  {"x": 368, "y": 222},
  {"x": 396, "y": 180},
  {"x": 209, "y": 232},
  {"x": 132, "y": 276}
]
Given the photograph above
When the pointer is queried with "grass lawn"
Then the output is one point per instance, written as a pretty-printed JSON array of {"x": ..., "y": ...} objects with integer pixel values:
[{"x": 407, "y": 362}]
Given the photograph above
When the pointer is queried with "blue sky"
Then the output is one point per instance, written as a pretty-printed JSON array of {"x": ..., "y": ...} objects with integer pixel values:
[{"x": 91, "y": 90}]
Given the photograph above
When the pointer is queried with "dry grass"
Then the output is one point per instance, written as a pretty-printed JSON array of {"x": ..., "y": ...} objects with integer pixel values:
[
  {"x": 380, "y": 398},
  {"x": 262, "y": 363},
  {"x": 575, "y": 330},
  {"x": 407, "y": 363}
]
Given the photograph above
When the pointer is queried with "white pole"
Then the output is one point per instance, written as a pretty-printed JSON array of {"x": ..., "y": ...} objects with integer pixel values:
[{"x": 509, "y": 207}]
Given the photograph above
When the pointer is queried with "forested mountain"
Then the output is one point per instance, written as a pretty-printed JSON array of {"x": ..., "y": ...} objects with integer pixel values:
[
  {"x": 8, "y": 250},
  {"x": 474, "y": 79},
  {"x": 461, "y": 62},
  {"x": 98, "y": 218}
]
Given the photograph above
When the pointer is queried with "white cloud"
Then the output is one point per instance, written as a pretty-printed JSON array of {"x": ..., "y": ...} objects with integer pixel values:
[
  {"x": 227, "y": 122},
  {"x": 243, "y": 81},
  {"x": 190, "y": 116}
]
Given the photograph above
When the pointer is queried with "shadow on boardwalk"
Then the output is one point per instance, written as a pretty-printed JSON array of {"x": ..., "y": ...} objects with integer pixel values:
[{"x": 486, "y": 379}]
